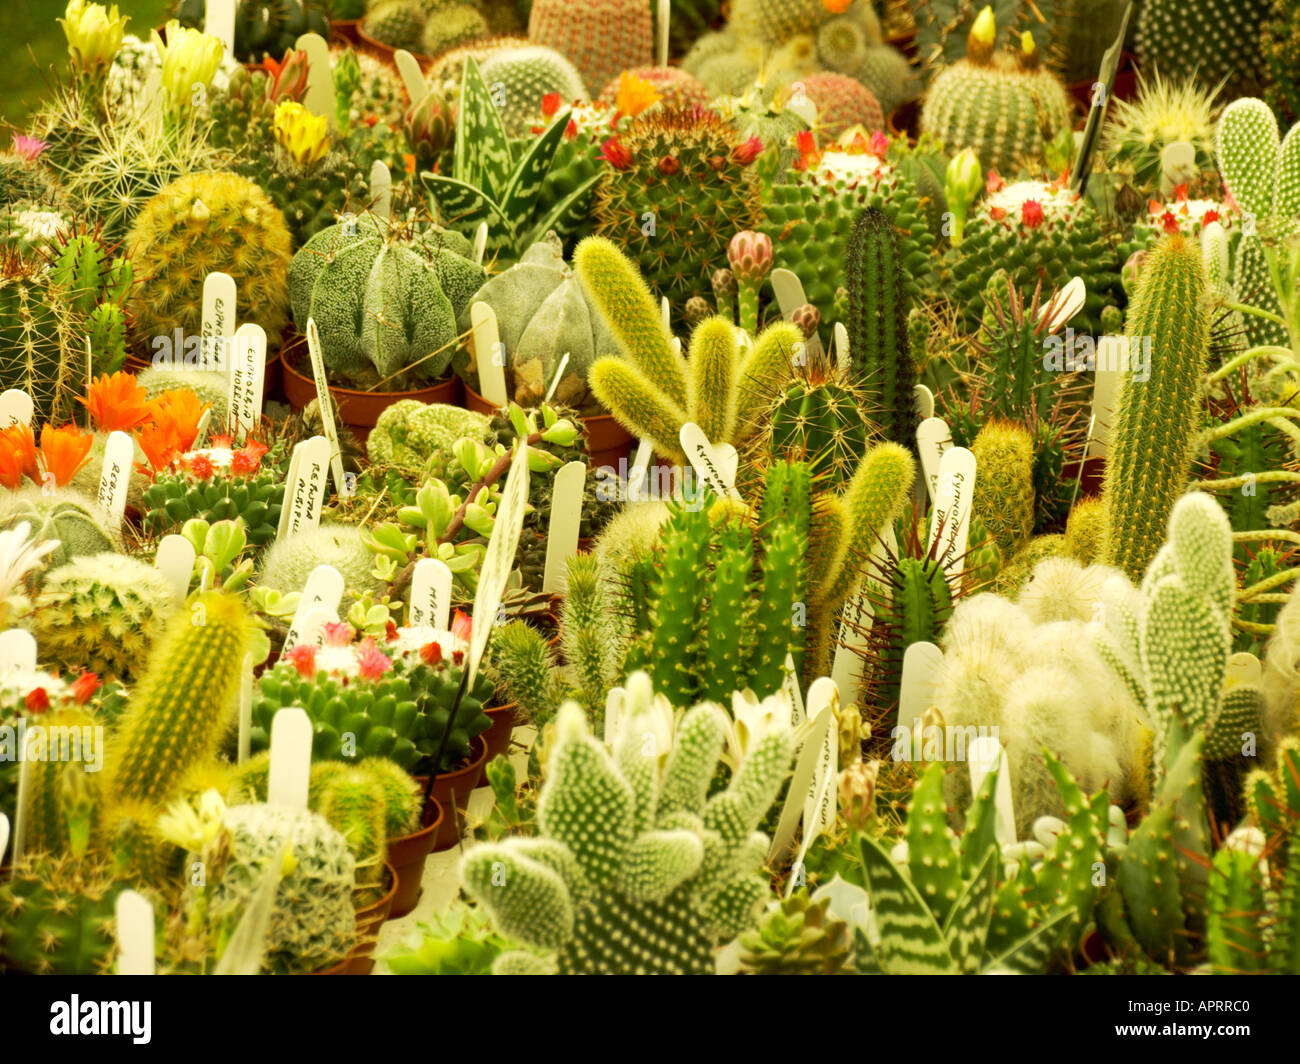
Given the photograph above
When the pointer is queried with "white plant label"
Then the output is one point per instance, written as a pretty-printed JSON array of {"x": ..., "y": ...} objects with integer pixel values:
[
  {"x": 201, "y": 430},
  {"x": 135, "y": 930},
  {"x": 311, "y": 630},
  {"x": 323, "y": 590},
  {"x": 381, "y": 191},
  {"x": 790, "y": 685},
  {"x": 842, "y": 353},
  {"x": 613, "y": 715},
  {"x": 219, "y": 21},
  {"x": 319, "y": 99},
  {"x": 1069, "y": 302},
  {"x": 728, "y": 462},
  {"x": 16, "y": 408},
  {"x": 286, "y": 784},
  {"x": 788, "y": 290},
  {"x": 985, "y": 754},
  {"x": 119, "y": 453},
  {"x": 489, "y": 353},
  {"x": 247, "y": 379},
  {"x": 480, "y": 243},
  {"x": 305, "y": 491},
  {"x": 4, "y": 836},
  {"x": 562, "y": 530},
  {"x": 950, "y": 519},
  {"x": 855, "y": 625},
  {"x": 921, "y": 664},
  {"x": 1105, "y": 391},
  {"x": 805, "y": 767},
  {"x": 924, "y": 401},
  {"x": 705, "y": 461},
  {"x": 430, "y": 595},
  {"x": 218, "y": 326},
  {"x": 499, "y": 558},
  {"x": 326, "y": 409},
  {"x": 636, "y": 476},
  {"x": 245, "y": 709},
  {"x": 666, "y": 314},
  {"x": 412, "y": 76},
  {"x": 1244, "y": 670},
  {"x": 933, "y": 439},
  {"x": 557, "y": 376},
  {"x": 820, "y": 802},
  {"x": 175, "y": 560},
  {"x": 662, "y": 15},
  {"x": 17, "y": 651}
]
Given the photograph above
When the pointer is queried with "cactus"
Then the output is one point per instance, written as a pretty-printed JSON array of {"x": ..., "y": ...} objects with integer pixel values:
[
  {"x": 518, "y": 78},
  {"x": 592, "y": 642},
  {"x": 1154, "y": 426},
  {"x": 353, "y": 803},
  {"x": 1211, "y": 40},
  {"x": 458, "y": 942},
  {"x": 633, "y": 869},
  {"x": 288, "y": 562},
  {"x": 102, "y": 613},
  {"x": 451, "y": 27},
  {"x": 312, "y": 922},
  {"x": 682, "y": 180},
  {"x": 1004, "y": 491},
  {"x": 879, "y": 345},
  {"x": 398, "y": 24},
  {"x": 203, "y": 484},
  {"x": 410, "y": 433},
  {"x": 914, "y": 609},
  {"x": 1280, "y": 41},
  {"x": 602, "y": 38},
  {"x": 178, "y": 710},
  {"x": 57, "y": 916},
  {"x": 71, "y": 519},
  {"x": 842, "y": 102},
  {"x": 204, "y": 223},
  {"x": 523, "y": 662},
  {"x": 1164, "y": 111}
]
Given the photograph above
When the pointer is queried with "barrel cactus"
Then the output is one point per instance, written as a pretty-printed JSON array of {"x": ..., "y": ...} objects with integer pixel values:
[
  {"x": 66, "y": 516},
  {"x": 57, "y": 916}
]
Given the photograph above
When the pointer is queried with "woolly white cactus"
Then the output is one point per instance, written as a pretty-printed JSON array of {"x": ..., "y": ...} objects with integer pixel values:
[{"x": 636, "y": 870}]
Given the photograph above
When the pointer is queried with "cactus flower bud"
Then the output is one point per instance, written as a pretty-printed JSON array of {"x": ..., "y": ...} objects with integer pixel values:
[
  {"x": 190, "y": 59},
  {"x": 750, "y": 255},
  {"x": 288, "y": 76},
  {"x": 983, "y": 35},
  {"x": 806, "y": 319},
  {"x": 723, "y": 282},
  {"x": 1128, "y": 275},
  {"x": 857, "y": 794},
  {"x": 303, "y": 135},
  {"x": 429, "y": 125},
  {"x": 962, "y": 183},
  {"x": 94, "y": 33},
  {"x": 697, "y": 309}
]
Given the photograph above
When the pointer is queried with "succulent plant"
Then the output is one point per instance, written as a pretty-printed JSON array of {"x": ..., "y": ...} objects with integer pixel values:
[{"x": 797, "y": 937}]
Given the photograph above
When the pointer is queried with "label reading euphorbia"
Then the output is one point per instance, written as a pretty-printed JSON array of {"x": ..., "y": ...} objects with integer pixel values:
[
  {"x": 247, "y": 378},
  {"x": 218, "y": 323}
]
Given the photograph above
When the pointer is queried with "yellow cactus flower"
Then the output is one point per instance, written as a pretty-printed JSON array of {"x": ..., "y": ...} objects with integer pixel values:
[
  {"x": 190, "y": 59},
  {"x": 303, "y": 135},
  {"x": 94, "y": 33},
  {"x": 634, "y": 95}
]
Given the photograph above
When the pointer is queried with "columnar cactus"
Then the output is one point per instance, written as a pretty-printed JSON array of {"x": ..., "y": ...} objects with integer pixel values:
[
  {"x": 1004, "y": 490},
  {"x": 1159, "y": 405},
  {"x": 635, "y": 869}
]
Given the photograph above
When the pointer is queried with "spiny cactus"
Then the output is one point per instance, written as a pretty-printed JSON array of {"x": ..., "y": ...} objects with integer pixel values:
[
  {"x": 71, "y": 519},
  {"x": 1159, "y": 405},
  {"x": 57, "y": 916},
  {"x": 1004, "y": 490},
  {"x": 1211, "y": 40},
  {"x": 520, "y": 77},
  {"x": 635, "y": 869},
  {"x": 288, "y": 562},
  {"x": 602, "y": 38}
]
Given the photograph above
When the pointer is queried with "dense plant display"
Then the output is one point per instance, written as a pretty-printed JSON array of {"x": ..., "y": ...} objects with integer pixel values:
[{"x": 809, "y": 488}]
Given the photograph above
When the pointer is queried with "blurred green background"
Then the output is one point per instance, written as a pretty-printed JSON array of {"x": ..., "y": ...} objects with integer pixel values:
[{"x": 25, "y": 23}]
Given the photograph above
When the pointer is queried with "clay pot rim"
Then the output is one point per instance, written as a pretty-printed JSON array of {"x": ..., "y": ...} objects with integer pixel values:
[
  {"x": 288, "y": 355},
  {"x": 387, "y": 899}
]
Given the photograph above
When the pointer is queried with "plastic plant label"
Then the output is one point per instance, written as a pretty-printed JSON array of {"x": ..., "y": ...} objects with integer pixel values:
[
  {"x": 921, "y": 664},
  {"x": 324, "y": 590},
  {"x": 319, "y": 99},
  {"x": 1069, "y": 302},
  {"x": 556, "y": 377},
  {"x": 489, "y": 354},
  {"x": 4, "y": 836},
  {"x": 311, "y": 631},
  {"x": 933, "y": 439},
  {"x": 662, "y": 14},
  {"x": 23, "y": 802},
  {"x": 788, "y": 290},
  {"x": 326, "y": 409},
  {"x": 562, "y": 530},
  {"x": 247, "y": 378},
  {"x": 305, "y": 490},
  {"x": 499, "y": 558},
  {"x": 175, "y": 560},
  {"x": 984, "y": 754},
  {"x": 819, "y": 805},
  {"x": 16, "y": 408},
  {"x": 728, "y": 462},
  {"x": 1105, "y": 392},
  {"x": 286, "y": 784},
  {"x": 17, "y": 651},
  {"x": 381, "y": 191},
  {"x": 613, "y": 715},
  {"x": 119, "y": 453},
  {"x": 855, "y": 624},
  {"x": 842, "y": 353},
  {"x": 950, "y": 516},
  {"x": 636, "y": 476},
  {"x": 135, "y": 934},
  {"x": 1244, "y": 670},
  {"x": 430, "y": 595},
  {"x": 218, "y": 325},
  {"x": 245, "y": 709},
  {"x": 219, "y": 21},
  {"x": 412, "y": 76},
  {"x": 924, "y": 401},
  {"x": 805, "y": 767},
  {"x": 480, "y": 243},
  {"x": 666, "y": 313},
  {"x": 705, "y": 461},
  {"x": 790, "y": 685}
]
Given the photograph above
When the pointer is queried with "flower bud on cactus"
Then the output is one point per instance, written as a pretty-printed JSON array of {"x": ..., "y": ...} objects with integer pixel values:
[
  {"x": 94, "y": 34},
  {"x": 858, "y": 794},
  {"x": 806, "y": 319},
  {"x": 429, "y": 125},
  {"x": 303, "y": 135},
  {"x": 750, "y": 256},
  {"x": 962, "y": 183},
  {"x": 287, "y": 78}
]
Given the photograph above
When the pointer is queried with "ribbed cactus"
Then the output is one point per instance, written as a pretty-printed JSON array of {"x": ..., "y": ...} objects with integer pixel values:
[
  {"x": 1157, "y": 418},
  {"x": 1004, "y": 490},
  {"x": 178, "y": 710},
  {"x": 66, "y": 516},
  {"x": 635, "y": 869},
  {"x": 914, "y": 609},
  {"x": 879, "y": 346},
  {"x": 523, "y": 662},
  {"x": 57, "y": 916},
  {"x": 602, "y": 38},
  {"x": 818, "y": 418},
  {"x": 1210, "y": 40}
]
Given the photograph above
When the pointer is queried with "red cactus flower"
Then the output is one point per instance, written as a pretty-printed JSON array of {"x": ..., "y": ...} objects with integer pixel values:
[
  {"x": 371, "y": 661},
  {"x": 808, "y": 153},
  {"x": 84, "y": 687},
  {"x": 749, "y": 151},
  {"x": 1209, "y": 216},
  {"x": 997, "y": 213},
  {"x": 571, "y": 130},
  {"x": 551, "y": 104},
  {"x": 1169, "y": 222},
  {"x": 338, "y": 633},
  {"x": 248, "y": 459},
  {"x": 616, "y": 154},
  {"x": 431, "y": 653},
  {"x": 1180, "y": 193},
  {"x": 993, "y": 183},
  {"x": 462, "y": 625},
  {"x": 390, "y": 631},
  {"x": 200, "y": 466},
  {"x": 1031, "y": 214},
  {"x": 303, "y": 658},
  {"x": 879, "y": 144},
  {"x": 37, "y": 700}
]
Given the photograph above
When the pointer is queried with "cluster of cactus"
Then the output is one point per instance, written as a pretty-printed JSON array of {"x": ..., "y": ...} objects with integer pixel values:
[
  {"x": 676, "y": 185},
  {"x": 264, "y": 27},
  {"x": 201, "y": 224},
  {"x": 253, "y": 496},
  {"x": 602, "y": 38},
  {"x": 410, "y": 433},
  {"x": 634, "y": 868},
  {"x": 385, "y": 299},
  {"x": 1007, "y": 107},
  {"x": 102, "y": 613}
]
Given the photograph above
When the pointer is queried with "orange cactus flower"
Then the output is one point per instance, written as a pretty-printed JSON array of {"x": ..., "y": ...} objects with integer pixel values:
[
  {"x": 117, "y": 402},
  {"x": 634, "y": 95},
  {"x": 182, "y": 410},
  {"x": 158, "y": 441},
  {"x": 17, "y": 455},
  {"x": 64, "y": 451}
]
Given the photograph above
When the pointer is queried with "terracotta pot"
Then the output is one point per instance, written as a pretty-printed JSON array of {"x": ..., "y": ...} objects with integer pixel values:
[
  {"x": 347, "y": 29},
  {"x": 369, "y": 920},
  {"x": 461, "y": 783},
  {"x": 270, "y": 375},
  {"x": 497, "y": 737},
  {"x": 380, "y": 50},
  {"x": 407, "y": 856},
  {"x": 607, "y": 440},
  {"x": 359, "y": 411}
]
